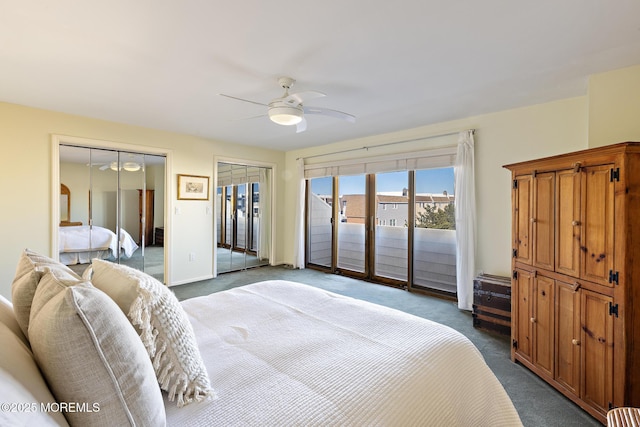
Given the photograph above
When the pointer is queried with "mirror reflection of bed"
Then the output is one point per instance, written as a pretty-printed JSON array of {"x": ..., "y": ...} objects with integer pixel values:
[
  {"x": 79, "y": 244},
  {"x": 111, "y": 204}
]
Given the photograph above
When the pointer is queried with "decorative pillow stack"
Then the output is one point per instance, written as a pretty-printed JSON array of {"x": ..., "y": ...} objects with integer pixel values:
[
  {"x": 91, "y": 354},
  {"x": 85, "y": 347},
  {"x": 164, "y": 328}
]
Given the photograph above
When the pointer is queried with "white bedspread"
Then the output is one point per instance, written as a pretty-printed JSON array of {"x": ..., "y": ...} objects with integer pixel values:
[
  {"x": 280, "y": 353},
  {"x": 85, "y": 238}
]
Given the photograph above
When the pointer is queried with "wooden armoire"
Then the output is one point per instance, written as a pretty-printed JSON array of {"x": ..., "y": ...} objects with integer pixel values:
[{"x": 575, "y": 313}]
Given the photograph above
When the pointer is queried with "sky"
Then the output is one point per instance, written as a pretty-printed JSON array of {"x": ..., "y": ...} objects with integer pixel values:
[{"x": 427, "y": 181}]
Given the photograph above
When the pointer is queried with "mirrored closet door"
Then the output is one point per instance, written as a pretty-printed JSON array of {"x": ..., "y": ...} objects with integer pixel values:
[
  {"x": 111, "y": 207},
  {"x": 243, "y": 217}
]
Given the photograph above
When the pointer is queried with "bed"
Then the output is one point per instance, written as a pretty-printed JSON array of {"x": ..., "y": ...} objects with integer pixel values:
[
  {"x": 283, "y": 353},
  {"x": 272, "y": 353},
  {"x": 80, "y": 244}
]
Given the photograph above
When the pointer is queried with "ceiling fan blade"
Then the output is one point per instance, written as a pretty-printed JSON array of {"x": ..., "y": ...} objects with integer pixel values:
[
  {"x": 330, "y": 113},
  {"x": 302, "y": 126},
  {"x": 243, "y": 100},
  {"x": 255, "y": 117},
  {"x": 302, "y": 97}
]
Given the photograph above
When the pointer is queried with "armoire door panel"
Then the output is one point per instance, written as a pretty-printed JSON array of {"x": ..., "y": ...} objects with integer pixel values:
[
  {"x": 543, "y": 220},
  {"x": 598, "y": 222},
  {"x": 568, "y": 223},
  {"x": 522, "y": 221},
  {"x": 568, "y": 331},
  {"x": 522, "y": 311},
  {"x": 597, "y": 352},
  {"x": 543, "y": 323}
]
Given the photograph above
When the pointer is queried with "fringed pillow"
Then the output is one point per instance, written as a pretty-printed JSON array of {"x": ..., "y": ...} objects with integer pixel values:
[{"x": 164, "y": 328}]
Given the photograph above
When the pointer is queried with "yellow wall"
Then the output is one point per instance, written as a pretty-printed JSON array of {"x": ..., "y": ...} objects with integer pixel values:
[
  {"x": 614, "y": 107},
  {"x": 26, "y": 169}
]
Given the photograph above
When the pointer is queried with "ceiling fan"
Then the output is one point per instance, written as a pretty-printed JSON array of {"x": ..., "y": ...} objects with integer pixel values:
[{"x": 290, "y": 109}]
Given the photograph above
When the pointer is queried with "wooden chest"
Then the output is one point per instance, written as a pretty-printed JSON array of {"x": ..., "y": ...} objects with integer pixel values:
[{"x": 492, "y": 303}]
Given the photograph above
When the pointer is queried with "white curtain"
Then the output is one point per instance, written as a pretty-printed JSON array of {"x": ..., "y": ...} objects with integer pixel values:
[
  {"x": 298, "y": 247},
  {"x": 264, "y": 215},
  {"x": 465, "y": 204}
]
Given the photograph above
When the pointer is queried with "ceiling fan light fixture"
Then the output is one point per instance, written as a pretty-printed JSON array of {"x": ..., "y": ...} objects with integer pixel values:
[
  {"x": 283, "y": 114},
  {"x": 291, "y": 109}
]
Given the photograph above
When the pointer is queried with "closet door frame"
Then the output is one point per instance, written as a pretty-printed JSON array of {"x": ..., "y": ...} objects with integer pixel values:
[
  {"x": 273, "y": 205},
  {"x": 58, "y": 140}
]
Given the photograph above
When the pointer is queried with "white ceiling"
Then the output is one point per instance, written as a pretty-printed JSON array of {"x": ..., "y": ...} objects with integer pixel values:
[{"x": 394, "y": 65}]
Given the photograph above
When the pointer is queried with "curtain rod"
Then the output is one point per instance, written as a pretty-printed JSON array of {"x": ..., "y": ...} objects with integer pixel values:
[{"x": 386, "y": 144}]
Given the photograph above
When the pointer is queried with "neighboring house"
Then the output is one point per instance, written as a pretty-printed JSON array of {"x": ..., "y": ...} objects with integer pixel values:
[
  {"x": 392, "y": 210},
  {"x": 352, "y": 208}
]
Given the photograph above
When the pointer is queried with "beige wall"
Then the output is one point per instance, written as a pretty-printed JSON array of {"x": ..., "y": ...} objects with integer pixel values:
[
  {"x": 25, "y": 171},
  {"x": 614, "y": 107},
  {"x": 501, "y": 138}
]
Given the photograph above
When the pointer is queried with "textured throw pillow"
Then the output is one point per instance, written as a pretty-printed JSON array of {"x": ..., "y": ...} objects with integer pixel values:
[
  {"x": 31, "y": 267},
  {"x": 92, "y": 357},
  {"x": 164, "y": 328}
]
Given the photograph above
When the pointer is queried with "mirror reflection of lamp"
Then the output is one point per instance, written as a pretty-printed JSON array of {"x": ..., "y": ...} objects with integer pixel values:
[
  {"x": 128, "y": 166},
  {"x": 131, "y": 166}
]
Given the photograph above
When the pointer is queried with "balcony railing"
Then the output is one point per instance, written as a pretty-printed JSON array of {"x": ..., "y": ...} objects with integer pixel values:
[{"x": 434, "y": 252}]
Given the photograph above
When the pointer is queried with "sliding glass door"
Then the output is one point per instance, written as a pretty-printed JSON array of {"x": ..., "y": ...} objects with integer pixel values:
[
  {"x": 395, "y": 227},
  {"x": 352, "y": 224},
  {"x": 320, "y": 222},
  {"x": 391, "y": 213},
  {"x": 434, "y": 242}
]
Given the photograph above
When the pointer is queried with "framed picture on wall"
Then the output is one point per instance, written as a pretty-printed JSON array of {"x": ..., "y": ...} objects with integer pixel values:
[{"x": 193, "y": 187}]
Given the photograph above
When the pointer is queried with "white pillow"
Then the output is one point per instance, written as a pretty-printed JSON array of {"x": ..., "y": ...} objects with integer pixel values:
[
  {"x": 90, "y": 355},
  {"x": 16, "y": 358},
  {"x": 164, "y": 328},
  {"x": 31, "y": 267},
  {"x": 8, "y": 317},
  {"x": 23, "y": 409}
]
